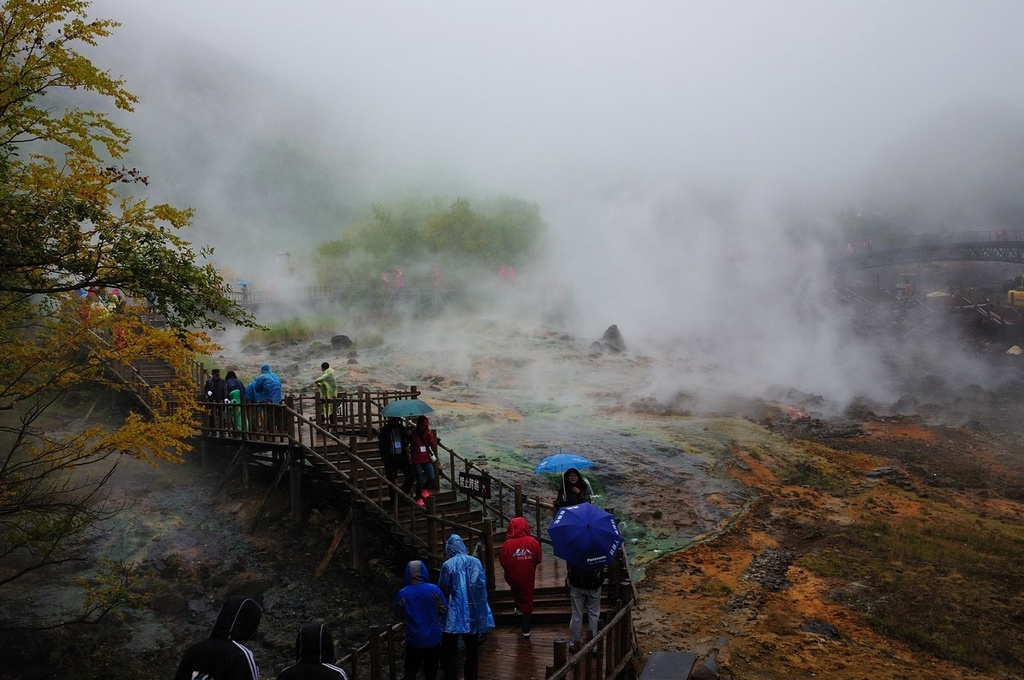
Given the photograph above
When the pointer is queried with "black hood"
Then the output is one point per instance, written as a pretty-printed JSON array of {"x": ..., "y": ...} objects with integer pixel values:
[
  {"x": 238, "y": 619},
  {"x": 314, "y": 644}
]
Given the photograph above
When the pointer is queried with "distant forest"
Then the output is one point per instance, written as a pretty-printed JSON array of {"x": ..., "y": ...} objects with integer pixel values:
[{"x": 424, "y": 236}]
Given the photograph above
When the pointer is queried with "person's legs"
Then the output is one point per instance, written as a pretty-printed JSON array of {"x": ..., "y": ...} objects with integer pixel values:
[
  {"x": 593, "y": 605},
  {"x": 450, "y": 655},
  {"x": 428, "y": 476},
  {"x": 431, "y": 657},
  {"x": 409, "y": 478},
  {"x": 413, "y": 658},
  {"x": 527, "y": 621},
  {"x": 418, "y": 471},
  {"x": 391, "y": 472},
  {"x": 472, "y": 642},
  {"x": 576, "y": 599}
]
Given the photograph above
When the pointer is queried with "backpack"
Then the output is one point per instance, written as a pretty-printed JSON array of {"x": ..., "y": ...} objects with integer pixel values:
[
  {"x": 590, "y": 579},
  {"x": 392, "y": 441}
]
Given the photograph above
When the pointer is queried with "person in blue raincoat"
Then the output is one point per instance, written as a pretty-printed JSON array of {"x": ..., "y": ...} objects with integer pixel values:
[
  {"x": 422, "y": 608},
  {"x": 463, "y": 582},
  {"x": 265, "y": 389}
]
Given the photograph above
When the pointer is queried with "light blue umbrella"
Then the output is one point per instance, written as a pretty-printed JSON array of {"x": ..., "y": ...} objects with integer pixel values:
[
  {"x": 406, "y": 408},
  {"x": 560, "y": 462}
]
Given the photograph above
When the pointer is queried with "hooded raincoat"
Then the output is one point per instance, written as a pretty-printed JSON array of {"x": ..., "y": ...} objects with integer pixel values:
[
  {"x": 570, "y": 493},
  {"x": 265, "y": 388},
  {"x": 224, "y": 655},
  {"x": 520, "y": 554},
  {"x": 464, "y": 583},
  {"x": 314, "y": 654},
  {"x": 421, "y": 606}
]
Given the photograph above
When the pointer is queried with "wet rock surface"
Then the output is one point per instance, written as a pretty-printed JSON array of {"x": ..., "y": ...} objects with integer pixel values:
[{"x": 678, "y": 476}]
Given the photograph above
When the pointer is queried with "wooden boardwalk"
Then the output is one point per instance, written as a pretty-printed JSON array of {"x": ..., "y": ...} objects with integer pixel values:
[
  {"x": 469, "y": 502},
  {"x": 341, "y": 449}
]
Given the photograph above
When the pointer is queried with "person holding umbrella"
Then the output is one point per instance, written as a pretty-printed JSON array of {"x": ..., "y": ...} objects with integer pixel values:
[
  {"x": 393, "y": 444},
  {"x": 585, "y": 597},
  {"x": 575, "y": 489},
  {"x": 588, "y": 539},
  {"x": 422, "y": 454}
]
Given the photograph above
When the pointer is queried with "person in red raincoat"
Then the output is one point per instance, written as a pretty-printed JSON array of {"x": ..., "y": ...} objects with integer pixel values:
[{"x": 520, "y": 554}]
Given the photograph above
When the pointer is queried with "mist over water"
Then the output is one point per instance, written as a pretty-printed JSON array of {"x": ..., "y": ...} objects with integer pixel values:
[{"x": 690, "y": 159}]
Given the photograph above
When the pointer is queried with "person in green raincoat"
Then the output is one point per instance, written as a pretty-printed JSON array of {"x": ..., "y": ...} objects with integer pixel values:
[
  {"x": 235, "y": 389},
  {"x": 327, "y": 388}
]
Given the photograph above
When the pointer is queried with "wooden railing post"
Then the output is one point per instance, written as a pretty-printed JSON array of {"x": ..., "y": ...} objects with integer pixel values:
[
  {"x": 561, "y": 656},
  {"x": 519, "y": 499},
  {"x": 489, "y": 552},
  {"x": 295, "y": 486},
  {"x": 376, "y": 671},
  {"x": 392, "y": 654}
]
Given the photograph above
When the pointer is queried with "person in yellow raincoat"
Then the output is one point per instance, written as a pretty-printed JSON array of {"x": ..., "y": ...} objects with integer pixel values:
[{"x": 327, "y": 389}]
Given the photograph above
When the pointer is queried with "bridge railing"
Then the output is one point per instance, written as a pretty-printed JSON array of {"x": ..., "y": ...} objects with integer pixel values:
[
  {"x": 992, "y": 236},
  {"x": 609, "y": 655}
]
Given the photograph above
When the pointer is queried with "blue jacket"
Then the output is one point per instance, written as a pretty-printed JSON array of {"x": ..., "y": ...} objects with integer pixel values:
[
  {"x": 464, "y": 583},
  {"x": 266, "y": 388},
  {"x": 421, "y": 605}
]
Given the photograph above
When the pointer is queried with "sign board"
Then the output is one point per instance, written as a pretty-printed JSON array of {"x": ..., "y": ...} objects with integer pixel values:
[{"x": 475, "y": 485}]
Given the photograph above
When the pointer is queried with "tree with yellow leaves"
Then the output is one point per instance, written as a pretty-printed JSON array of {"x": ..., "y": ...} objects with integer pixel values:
[{"x": 84, "y": 269}]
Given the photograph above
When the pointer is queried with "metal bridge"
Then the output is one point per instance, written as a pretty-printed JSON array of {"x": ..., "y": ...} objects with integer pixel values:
[{"x": 998, "y": 245}]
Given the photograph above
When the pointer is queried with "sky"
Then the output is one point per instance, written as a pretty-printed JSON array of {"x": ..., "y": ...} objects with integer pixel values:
[
  {"x": 519, "y": 93},
  {"x": 670, "y": 145}
]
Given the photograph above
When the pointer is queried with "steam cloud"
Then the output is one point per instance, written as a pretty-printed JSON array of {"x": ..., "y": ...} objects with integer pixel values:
[{"x": 689, "y": 158}]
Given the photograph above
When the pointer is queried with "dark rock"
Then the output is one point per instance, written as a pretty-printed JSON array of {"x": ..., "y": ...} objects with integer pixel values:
[
  {"x": 169, "y": 603},
  {"x": 341, "y": 342},
  {"x": 249, "y": 584},
  {"x": 613, "y": 340},
  {"x": 821, "y": 628},
  {"x": 252, "y": 349}
]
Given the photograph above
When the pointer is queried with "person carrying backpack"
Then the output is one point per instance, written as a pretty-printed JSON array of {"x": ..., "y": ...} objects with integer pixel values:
[
  {"x": 394, "y": 451},
  {"x": 585, "y": 597}
]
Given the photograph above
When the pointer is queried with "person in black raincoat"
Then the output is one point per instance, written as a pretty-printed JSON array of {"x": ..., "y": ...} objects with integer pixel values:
[
  {"x": 575, "y": 489},
  {"x": 394, "y": 450},
  {"x": 224, "y": 655},
  {"x": 314, "y": 654}
]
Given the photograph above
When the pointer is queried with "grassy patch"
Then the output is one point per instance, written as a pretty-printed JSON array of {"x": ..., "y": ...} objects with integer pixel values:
[
  {"x": 949, "y": 585},
  {"x": 299, "y": 329}
]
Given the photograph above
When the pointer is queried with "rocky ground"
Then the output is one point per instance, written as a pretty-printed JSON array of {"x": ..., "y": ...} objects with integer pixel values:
[{"x": 734, "y": 518}]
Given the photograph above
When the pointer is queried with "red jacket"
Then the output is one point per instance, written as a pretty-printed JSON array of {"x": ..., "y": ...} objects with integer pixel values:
[
  {"x": 520, "y": 554},
  {"x": 422, "y": 441}
]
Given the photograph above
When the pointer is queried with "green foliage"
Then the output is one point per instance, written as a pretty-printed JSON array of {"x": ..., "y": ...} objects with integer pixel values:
[
  {"x": 421, "y": 234},
  {"x": 65, "y": 224},
  {"x": 297, "y": 328}
]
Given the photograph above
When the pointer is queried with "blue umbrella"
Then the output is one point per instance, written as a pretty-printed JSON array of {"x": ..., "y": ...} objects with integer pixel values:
[
  {"x": 585, "y": 535},
  {"x": 560, "y": 462},
  {"x": 405, "y": 408}
]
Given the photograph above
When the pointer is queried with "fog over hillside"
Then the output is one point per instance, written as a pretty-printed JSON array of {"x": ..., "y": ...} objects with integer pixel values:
[{"x": 689, "y": 158}]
